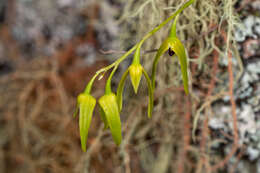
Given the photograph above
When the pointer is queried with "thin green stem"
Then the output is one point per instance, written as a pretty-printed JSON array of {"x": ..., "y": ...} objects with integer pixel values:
[
  {"x": 146, "y": 37},
  {"x": 173, "y": 28},
  {"x": 167, "y": 20},
  {"x": 89, "y": 86},
  {"x": 118, "y": 61},
  {"x": 136, "y": 59},
  {"x": 108, "y": 84}
]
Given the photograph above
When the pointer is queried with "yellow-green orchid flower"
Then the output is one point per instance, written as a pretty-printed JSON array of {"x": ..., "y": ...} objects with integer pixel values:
[
  {"x": 111, "y": 103},
  {"x": 86, "y": 104},
  {"x": 110, "y": 111},
  {"x": 174, "y": 46},
  {"x": 135, "y": 71}
]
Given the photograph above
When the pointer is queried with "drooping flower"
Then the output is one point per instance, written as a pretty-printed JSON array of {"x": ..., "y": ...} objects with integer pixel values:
[
  {"x": 110, "y": 111},
  {"x": 135, "y": 71},
  {"x": 86, "y": 104},
  {"x": 111, "y": 115},
  {"x": 174, "y": 46}
]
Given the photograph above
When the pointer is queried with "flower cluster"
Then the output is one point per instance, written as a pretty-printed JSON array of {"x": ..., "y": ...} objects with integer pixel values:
[{"x": 111, "y": 103}]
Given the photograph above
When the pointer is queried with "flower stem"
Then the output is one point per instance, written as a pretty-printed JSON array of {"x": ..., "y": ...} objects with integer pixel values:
[
  {"x": 108, "y": 84},
  {"x": 136, "y": 59},
  {"x": 149, "y": 34},
  {"x": 173, "y": 28},
  {"x": 89, "y": 86}
]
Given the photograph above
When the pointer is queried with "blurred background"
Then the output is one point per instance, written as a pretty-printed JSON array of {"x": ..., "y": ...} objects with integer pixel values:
[{"x": 49, "y": 50}]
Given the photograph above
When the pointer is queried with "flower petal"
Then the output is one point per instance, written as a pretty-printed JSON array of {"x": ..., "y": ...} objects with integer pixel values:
[
  {"x": 150, "y": 91},
  {"x": 178, "y": 48},
  {"x": 86, "y": 107},
  {"x": 103, "y": 118},
  {"x": 109, "y": 105},
  {"x": 120, "y": 88},
  {"x": 163, "y": 48},
  {"x": 135, "y": 71},
  {"x": 76, "y": 111}
]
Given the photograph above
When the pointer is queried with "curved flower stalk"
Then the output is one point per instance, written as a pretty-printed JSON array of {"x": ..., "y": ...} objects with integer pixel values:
[
  {"x": 174, "y": 46},
  {"x": 135, "y": 71},
  {"x": 110, "y": 111},
  {"x": 110, "y": 103}
]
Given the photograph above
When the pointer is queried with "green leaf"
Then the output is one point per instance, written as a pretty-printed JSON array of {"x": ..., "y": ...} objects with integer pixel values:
[
  {"x": 178, "y": 48},
  {"x": 120, "y": 90},
  {"x": 164, "y": 46},
  {"x": 110, "y": 107},
  {"x": 86, "y": 107},
  {"x": 150, "y": 91}
]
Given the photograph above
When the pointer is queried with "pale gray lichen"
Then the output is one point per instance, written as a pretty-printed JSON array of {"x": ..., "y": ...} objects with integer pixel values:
[
  {"x": 62, "y": 21},
  {"x": 246, "y": 95},
  {"x": 249, "y": 28}
]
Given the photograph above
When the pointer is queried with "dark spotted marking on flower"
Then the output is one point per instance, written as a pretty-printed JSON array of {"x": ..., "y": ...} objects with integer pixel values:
[{"x": 171, "y": 52}]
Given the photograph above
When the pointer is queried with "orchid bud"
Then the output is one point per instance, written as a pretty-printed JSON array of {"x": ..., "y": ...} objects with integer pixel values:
[{"x": 135, "y": 72}]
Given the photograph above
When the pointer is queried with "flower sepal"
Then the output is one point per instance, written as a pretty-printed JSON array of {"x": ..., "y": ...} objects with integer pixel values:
[
  {"x": 174, "y": 46},
  {"x": 109, "y": 106},
  {"x": 135, "y": 72},
  {"x": 86, "y": 104}
]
